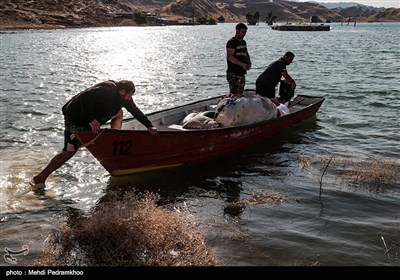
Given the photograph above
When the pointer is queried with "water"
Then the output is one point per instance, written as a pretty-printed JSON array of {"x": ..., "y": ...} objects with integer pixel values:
[{"x": 357, "y": 69}]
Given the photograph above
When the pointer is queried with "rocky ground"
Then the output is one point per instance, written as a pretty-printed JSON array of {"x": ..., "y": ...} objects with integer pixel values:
[
  {"x": 60, "y": 13},
  {"x": 51, "y": 14}
]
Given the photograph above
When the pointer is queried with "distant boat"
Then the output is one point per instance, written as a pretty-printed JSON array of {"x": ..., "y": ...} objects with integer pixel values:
[{"x": 301, "y": 27}]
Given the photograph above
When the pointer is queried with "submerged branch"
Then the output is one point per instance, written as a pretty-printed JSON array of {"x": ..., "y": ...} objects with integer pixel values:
[{"x": 322, "y": 175}]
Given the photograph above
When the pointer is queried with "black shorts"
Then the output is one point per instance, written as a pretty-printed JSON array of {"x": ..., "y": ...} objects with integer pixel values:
[
  {"x": 71, "y": 144},
  {"x": 265, "y": 90}
]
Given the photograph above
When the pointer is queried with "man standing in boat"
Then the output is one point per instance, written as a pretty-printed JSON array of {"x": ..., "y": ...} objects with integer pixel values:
[
  {"x": 90, "y": 109},
  {"x": 238, "y": 60},
  {"x": 269, "y": 79}
]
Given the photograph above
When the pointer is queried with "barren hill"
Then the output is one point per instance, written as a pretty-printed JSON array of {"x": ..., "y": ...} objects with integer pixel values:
[{"x": 87, "y": 13}]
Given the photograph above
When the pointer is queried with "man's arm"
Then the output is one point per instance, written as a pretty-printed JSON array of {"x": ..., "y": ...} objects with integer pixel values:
[
  {"x": 289, "y": 79},
  {"x": 248, "y": 55},
  {"x": 137, "y": 113},
  {"x": 230, "y": 56},
  {"x": 140, "y": 116}
]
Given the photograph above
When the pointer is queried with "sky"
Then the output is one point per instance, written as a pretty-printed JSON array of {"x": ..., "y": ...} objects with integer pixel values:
[{"x": 373, "y": 3}]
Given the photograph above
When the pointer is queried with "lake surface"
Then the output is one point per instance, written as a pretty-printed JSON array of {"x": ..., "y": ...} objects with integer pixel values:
[{"x": 354, "y": 221}]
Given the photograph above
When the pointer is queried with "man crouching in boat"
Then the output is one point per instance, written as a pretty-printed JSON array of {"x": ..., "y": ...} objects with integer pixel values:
[
  {"x": 91, "y": 108},
  {"x": 269, "y": 79}
]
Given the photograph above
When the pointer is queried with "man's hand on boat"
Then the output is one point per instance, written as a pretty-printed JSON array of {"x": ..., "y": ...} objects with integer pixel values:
[
  {"x": 152, "y": 130},
  {"x": 95, "y": 125}
]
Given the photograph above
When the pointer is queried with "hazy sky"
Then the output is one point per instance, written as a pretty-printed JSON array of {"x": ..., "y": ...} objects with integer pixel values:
[{"x": 373, "y": 3}]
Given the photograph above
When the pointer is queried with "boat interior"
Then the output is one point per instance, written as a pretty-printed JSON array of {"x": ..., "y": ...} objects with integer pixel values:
[{"x": 171, "y": 119}]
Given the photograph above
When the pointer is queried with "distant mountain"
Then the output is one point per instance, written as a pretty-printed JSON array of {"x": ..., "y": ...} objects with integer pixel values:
[
  {"x": 196, "y": 8},
  {"x": 236, "y": 10},
  {"x": 352, "y": 9},
  {"x": 358, "y": 11},
  {"x": 333, "y": 5},
  {"x": 87, "y": 13},
  {"x": 288, "y": 10},
  {"x": 387, "y": 15}
]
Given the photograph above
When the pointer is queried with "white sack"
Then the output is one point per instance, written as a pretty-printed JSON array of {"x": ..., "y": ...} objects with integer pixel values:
[
  {"x": 198, "y": 121},
  {"x": 245, "y": 110}
]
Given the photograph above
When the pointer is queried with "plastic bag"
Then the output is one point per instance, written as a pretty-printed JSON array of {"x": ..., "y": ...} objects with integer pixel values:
[{"x": 245, "y": 110}]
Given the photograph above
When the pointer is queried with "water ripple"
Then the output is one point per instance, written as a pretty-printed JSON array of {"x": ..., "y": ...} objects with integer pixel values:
[{"x": 355, "y": 68}]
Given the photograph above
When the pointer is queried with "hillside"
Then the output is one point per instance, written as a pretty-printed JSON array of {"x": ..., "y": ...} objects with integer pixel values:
[
  {"x": 89, "y": 13},
  {"x": 57, "y": 13}
]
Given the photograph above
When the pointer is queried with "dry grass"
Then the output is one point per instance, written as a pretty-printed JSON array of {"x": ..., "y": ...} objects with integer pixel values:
[
  {"x": 132, "y": 231},
  {"x": 365, "y": 172},
  {"x": 374, "y": 175},
  {"x": 391, "y": 246},
  {"x": 257, "y": 199},
  {"x": 237, "y": 206},
  {"x": 374, "y": 172}
]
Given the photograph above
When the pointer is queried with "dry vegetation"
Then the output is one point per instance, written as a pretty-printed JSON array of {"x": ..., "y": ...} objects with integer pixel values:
[
  {"x": 255, "y": 199},
  {"x": 391, "y": 246},
  {"x": 374, "y": 173},
  {"x": 132, "y": 231}
]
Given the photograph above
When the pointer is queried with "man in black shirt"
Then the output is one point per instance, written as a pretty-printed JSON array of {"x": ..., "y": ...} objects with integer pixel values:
[
  {"x": 238, "y": 60},
  {"x": 269, "y": 79},
  {"x": 91, "y": 108}
]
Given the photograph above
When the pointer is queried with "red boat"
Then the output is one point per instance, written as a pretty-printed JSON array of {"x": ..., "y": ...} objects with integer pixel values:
[{"x": 132, "y": 149}]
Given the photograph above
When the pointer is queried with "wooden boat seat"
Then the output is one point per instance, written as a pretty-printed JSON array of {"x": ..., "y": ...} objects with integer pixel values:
[{"x": 176, "y": 126}]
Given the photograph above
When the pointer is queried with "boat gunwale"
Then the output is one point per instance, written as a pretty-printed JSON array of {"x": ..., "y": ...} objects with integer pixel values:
[
  {"x": 203, "y": 130},
  {"x": 307, "y": 110}
]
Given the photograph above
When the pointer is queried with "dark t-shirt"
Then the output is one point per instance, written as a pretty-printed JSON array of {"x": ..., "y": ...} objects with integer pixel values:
[
  {"x": 100, "y": 102},
  {"x": 272, "y": 75},
  {"x": 240, "y": 48}
]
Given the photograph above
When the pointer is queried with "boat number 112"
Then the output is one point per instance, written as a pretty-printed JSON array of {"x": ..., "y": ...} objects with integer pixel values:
[{"x": 121, "y": 148}]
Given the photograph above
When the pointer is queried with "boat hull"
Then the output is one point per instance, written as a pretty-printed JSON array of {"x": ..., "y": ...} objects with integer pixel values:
[{"x": 124, "y": 152}]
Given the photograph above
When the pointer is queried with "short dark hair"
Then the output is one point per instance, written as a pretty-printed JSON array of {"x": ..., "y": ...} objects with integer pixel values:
[
  {"x": 289, "y": 54},
  {"x": 126, "y": 85},
  {"x": 241, "y": 26}
]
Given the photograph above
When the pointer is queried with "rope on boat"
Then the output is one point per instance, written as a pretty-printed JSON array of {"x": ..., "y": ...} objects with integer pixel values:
[
  {"x": 298, "y": 102},
  {"x": 91, "y": 142}
]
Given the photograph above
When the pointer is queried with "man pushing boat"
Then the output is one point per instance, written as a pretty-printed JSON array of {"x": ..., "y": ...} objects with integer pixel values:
[{"x": 90, "y": 109}]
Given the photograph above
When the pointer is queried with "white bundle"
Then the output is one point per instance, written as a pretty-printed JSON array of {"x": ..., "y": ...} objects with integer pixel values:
[{"x": 245, "y": 110}]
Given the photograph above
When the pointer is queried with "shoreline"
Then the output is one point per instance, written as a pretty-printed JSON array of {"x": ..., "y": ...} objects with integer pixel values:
[{"x": 28, "y": 26}]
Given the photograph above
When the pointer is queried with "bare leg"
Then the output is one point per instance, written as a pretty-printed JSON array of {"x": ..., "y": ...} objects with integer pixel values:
[
  {"x": 57, "y": 161},
  {"x": 116, "y": 121}
]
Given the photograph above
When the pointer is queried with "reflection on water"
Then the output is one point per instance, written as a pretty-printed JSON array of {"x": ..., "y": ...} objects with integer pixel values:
[
  {"x": 261, "y": 206},
  {"x": 221, "y": 178}
]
